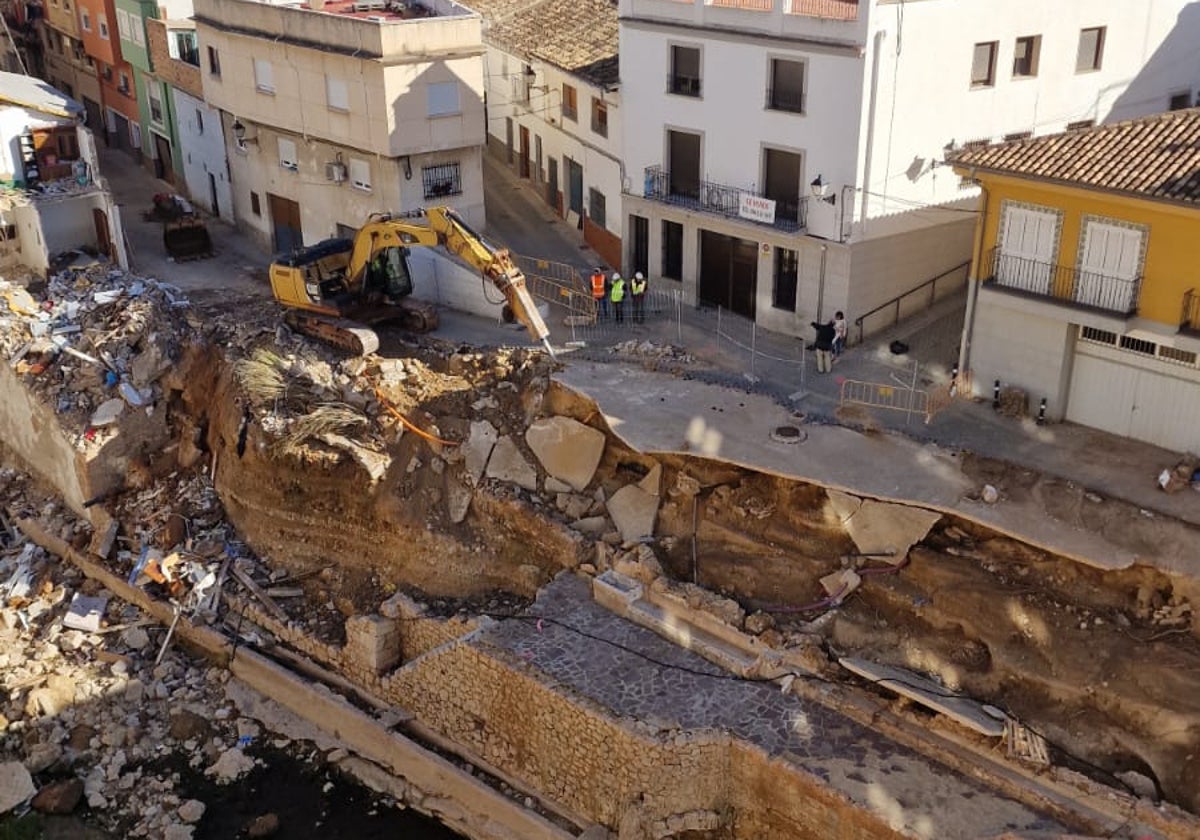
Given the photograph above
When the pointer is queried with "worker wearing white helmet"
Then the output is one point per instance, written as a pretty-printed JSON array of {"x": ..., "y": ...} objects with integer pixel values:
[{"x": 637, "y": 288}]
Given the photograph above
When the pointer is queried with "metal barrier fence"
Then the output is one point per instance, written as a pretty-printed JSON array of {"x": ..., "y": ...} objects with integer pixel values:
[{"x": 896, "y": 396}]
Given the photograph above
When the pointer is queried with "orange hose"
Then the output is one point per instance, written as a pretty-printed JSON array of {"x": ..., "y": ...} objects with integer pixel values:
[{"x": 408, "y": 424}]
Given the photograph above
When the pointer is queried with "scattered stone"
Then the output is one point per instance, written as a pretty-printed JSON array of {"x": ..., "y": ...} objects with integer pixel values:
[
  {"x": 457, "y": 498},
  {"x": 186, "y": 725},
  {"x": 108, "y": 413},
  {"x": 567, "y": 449},
  {"x": 990, "y": 494},
  {"x": 509, "y": 465},
  {"x": 633, "y": 511},
  {"x": 478, "y": 448},
  {"x": 191, "y": 811},
  {"x": 135, "y": 638},
  {"x": 554, "y": 485},
  {"x": 60, "y": 797},
  {"x": 1141, "y": 785},
  {"x": 759, "y": 622},
  {"x": 264, "y": 826},
  {"x": 16, "y": 785},
  {"x": 42, "y": 757},
  {"x": 593, "y": 526},
  {"x": 231, "y": 766}
]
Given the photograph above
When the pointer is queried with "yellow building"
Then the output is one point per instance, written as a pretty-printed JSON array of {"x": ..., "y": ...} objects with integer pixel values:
[{"x": 1085, "y": 284}]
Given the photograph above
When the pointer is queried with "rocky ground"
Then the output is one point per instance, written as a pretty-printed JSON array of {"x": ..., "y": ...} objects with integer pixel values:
[{"x": 220, "y": 454}]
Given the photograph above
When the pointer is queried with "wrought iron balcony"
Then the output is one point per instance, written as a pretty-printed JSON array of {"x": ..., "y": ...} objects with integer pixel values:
[
  {"x": 1189, "y": 320},
  {"x": 720, "y": 199},
  {"x": 1063, "y": 284},
  {"x": 683, "y": 85}
]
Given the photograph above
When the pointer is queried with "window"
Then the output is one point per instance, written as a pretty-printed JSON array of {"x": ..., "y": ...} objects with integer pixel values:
[
  {"x": 360, "y": 174},
  {"x": 214, "y": 62},
  {"x": 156, "y": 109},
  {"x": 983, "y": 66},
  {"x": 1179, "y": 101},
  {"x": 182, "y": 45},
  {"x": 685, "y": 71},
  {"x": 672, "y": 250},
  {"x": 85, "y": 20},
  {"x": 123, "y": 83},
  {"x": 1025, "y": 56},
  {"x": 521, "y": 84},
  {"x": 786, "y": 90},
  {"x": 255, "y": 204},
  {"x": 599, "y": 117},
  {"x": 336, "y": 96},
  {"x": 596, "y": 206},
  {"x": 1091, "y": 49},
  {"x": 264, "y": 76},
  {"x": 135, "y": 135},
  {"x": 123, "y": 24},
  {"x": 287, "y": 154},
  {"x": 136, "y": 30},
  {"x": 441, "y": 180},
  {"x": 107, "y": 72},
  {"x": 787, "y": 274},
  {"x": 103, "y": 24},
  {"x": 570, "y": 103},
  {"x": 441, "y": 98}
]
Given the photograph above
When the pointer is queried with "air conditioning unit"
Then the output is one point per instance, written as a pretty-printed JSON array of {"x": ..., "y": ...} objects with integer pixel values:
[{"x": 335, "y": 172}]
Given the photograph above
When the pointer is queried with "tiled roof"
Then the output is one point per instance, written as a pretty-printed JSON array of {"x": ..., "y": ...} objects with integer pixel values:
[
  {"x": 579, "y": 36},
  {"x": 1155, "y": 157}
]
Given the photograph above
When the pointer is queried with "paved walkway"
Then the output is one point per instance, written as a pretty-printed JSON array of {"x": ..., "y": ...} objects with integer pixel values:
[{"x": 912, "y": 793}]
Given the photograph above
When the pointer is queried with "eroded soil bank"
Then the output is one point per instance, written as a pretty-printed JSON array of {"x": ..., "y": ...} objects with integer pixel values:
[{"x": 428, "y": 471}]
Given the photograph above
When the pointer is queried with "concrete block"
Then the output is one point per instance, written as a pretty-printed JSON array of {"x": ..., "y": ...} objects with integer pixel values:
[
  {"x": 373, "y": 643},
  {"x": 567, "y": 449},
  {"x": 478, "y": 448}
]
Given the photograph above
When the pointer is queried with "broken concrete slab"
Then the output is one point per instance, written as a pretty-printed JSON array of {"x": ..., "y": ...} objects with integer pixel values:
[
  {"x": 478, "y": 448},
  {"x": 652, "y": 483},
  {"x": 591, "y": 525},
  {"x": 633, "y": 511},
  {"x": 882, "y": 527},
  {"x": 968, "y": 712},
  {"x": 554, "y": 485},
  {"x": 375, "y": 463},
  {"x": 840, "y": 584},
  {"x": 567, "y": 449},
  {"x": 85, "y": 613},
  {"x": 16, "y": 785},
  {"x": 509, "y": 464},
  {"x": 108, "y": 412}
]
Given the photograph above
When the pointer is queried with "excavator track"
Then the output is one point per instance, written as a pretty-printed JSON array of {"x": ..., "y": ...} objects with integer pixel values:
[{"x": 342, "y": 333}]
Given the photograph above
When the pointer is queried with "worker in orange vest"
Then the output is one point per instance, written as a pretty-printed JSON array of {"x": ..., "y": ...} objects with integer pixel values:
[{"x": 600, "y": 290}]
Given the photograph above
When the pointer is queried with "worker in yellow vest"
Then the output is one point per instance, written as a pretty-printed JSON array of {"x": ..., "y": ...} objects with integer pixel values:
[
  {"x": 617, "y": 296},
  {"x": 600, "y": 292},
  {"x": 637, "y": 288}
]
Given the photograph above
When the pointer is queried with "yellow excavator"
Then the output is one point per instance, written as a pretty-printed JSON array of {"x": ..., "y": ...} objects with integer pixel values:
[{"x": 336, "y": 290}]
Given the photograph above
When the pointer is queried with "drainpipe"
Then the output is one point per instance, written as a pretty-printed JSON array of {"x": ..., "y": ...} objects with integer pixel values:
[
  {"x": 964, "y": 347},
  {"x": 876, "y": 51},
  {"x": 821, "y": 284}
]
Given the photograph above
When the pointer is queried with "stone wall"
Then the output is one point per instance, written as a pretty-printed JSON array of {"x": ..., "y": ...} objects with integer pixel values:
[{"x": 630, "y": 776}]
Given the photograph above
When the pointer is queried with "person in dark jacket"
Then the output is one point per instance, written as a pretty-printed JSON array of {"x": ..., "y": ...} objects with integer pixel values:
[{"x": 826, "y": 333}]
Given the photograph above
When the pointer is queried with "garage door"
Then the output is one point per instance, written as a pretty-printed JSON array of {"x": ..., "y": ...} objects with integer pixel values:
[{"x": 1135, "y": 395}]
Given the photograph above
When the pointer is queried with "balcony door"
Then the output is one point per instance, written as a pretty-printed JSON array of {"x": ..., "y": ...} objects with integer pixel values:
[
  {"x": 1109, "y": 266},
  {"x": 781, "y": 183},
  {"x": 683, "y": 162},
  {"x": 1026, "y": 257}
]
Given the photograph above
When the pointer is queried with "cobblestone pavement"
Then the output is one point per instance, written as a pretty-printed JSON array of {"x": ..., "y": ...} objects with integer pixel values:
[{"x": 666, "y": 685}]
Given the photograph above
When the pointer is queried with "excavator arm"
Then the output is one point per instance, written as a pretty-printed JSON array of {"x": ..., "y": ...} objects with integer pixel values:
[{"x": 446, "y": 229}]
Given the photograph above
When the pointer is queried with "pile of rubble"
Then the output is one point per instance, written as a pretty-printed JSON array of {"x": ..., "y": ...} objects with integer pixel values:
[
  {"x": 95, "y": 699},
  {"x": 650, "y": 350}
]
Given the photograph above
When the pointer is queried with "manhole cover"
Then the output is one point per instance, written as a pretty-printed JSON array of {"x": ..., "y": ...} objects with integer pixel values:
[{"x": 788, "y": 434}]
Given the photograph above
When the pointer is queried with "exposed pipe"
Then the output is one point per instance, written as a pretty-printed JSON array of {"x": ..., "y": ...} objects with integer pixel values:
[{"x": 964, "y": 347}]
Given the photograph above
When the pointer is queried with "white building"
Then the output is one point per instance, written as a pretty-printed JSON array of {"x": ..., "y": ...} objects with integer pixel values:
[
  {"x": 56, "y": 200},
  {"x": 204, "y": 154},
  {"x": 335, "y": 110},
  {"x": 839, "y": 113},
  {"x": 554, "y": 110}
]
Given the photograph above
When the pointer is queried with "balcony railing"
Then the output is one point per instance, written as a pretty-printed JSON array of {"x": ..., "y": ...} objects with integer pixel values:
[
  {"x": 1189, "y": 320},
  {"x": 683, "y": 85},
  {"x": 782, "y": 99},
  {"x": 720, "y": 199},
  {"x": 1064, "y": 284}
]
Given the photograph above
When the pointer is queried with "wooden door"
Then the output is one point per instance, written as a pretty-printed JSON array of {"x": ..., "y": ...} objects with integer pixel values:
[
  {"x": 285, "y": 221},
  {"x": 524, "y": 152},
  {"x": 103, "y": 237}
]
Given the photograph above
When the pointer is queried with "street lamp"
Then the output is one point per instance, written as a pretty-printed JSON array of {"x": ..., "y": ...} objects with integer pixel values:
[
  {"x": 239, "y": 133},
  {"x": 821, "y": 190}
]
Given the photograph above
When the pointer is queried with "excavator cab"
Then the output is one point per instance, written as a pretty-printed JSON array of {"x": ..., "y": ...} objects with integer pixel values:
[{"x": 388, "y": 274}]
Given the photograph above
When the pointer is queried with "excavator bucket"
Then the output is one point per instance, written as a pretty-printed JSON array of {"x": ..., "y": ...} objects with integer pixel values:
[{"x": 187, "y": 239}]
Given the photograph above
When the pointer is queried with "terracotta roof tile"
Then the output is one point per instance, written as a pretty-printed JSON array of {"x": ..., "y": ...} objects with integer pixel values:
[
  {"x": 1155, "y": 157},
  {"x": 580, "y": 36}
]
